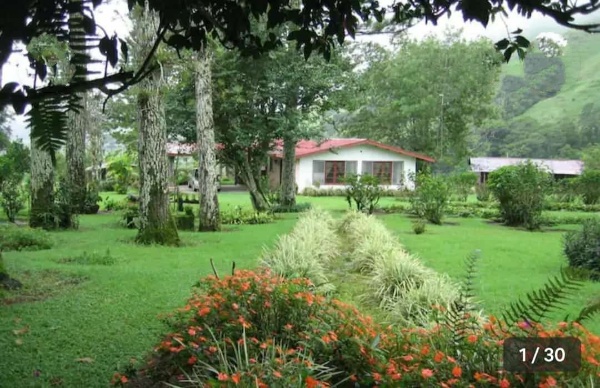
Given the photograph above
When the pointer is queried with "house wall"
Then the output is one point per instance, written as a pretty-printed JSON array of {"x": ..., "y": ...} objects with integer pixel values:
[{"x": 304, "y": 173}]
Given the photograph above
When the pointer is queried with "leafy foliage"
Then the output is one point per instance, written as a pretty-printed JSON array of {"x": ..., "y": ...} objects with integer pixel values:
[
  {"x": 17, "y": 238},
  {"x": 588, "y": 185},
  {"x": 536, "y": 305},
  {"x": 430, "y": 197},
  {"x": 582, "y": 247},
  {"x": 364, "y": 190},
  {"x": 463, "y": 183},
  {"x": 242, "y": 216},
  {"x": 395, "y": 102},
  {"x": 521, "y": 192}
]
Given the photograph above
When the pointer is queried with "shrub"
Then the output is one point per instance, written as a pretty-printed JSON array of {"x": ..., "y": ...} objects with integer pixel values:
[
  {"x": 364, "y": 190},
  {"x": 20, "y": 238},
  {"x": 582, "y": 247},
  {"x": 256, "y": 329},
  {"x": 12, "y": 198},
  {"x": 588, "y": 185},
  {"x": 242, "y": 216},
  {"x": 419, "y": 226},
  {"x": 462, "y": 184},
  {"x": 186, "y": 221},
  {"x": 565, "y": 190},
  {"x": 107, "y": 185},
  {"x": 398, "y": 283},
  {"x": 306, "y": 251},
  {"x": 365, "y": 239},
  {"x": 297, "y": 208},
  {"x": 110, "y": 204},
  {"x": 521, "y": 192},
  {"x": 265, "y": 331},
  {"x": 430, "y": 197},
  {"x": 130, "y": 216},
  {"x": 483, "y": 192}
]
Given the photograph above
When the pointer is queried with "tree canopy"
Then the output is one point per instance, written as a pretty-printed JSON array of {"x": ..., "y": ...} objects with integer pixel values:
[{"x": 316, "y": 26}]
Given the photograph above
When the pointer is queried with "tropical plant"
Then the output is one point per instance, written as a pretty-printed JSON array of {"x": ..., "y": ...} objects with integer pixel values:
[
  {"x": 521, "y": 191},
  {"x": 364, "y": 190},
  {"x": 431, "y": 196}
]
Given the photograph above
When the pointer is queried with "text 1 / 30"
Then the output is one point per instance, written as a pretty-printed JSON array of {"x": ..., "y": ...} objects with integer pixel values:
[{"x": 522, "y": 354}]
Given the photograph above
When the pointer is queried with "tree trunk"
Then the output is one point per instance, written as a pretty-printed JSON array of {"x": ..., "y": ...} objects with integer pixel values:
[
  {"x": 75, "y": 157},
  {"x": 96, "y": 142},
  {"x": 78, "y": 121},
  {"x": 288, "y": 182},
  {"x": 259, "y": 202},
  {"x": 42, "y": 189},
  {"x": 207, "y": 160},
  {"x": 156, "y": 224}
]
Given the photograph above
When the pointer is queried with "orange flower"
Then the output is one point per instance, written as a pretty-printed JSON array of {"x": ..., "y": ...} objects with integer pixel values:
[
  {"x": 426, "y": 373},
  {"x": 191, "y": 331},
  {"x": 439, "y": 356},
  {"x": 223, "y": 376},
  {"x": 376, "y": 377},
  {"x": 504, "y": 383},
  {"x": 472, "y": 338},
  {"x": 204, "y": 311},
  {"x": 549, "y": 382},
  {"x": 236, "y": 378},
  {"x": 124, "y": 379},
  {"x": 192, "y": 360},
  {"x": 311, "y": 382},
  {"x": 277, "y": 374},
  {"x": 425, "y": 350},
  {"x": 456, "y": 371}
]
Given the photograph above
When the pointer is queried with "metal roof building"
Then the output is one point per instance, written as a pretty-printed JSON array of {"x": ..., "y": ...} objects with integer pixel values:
[{"x": 559, "y": 168}]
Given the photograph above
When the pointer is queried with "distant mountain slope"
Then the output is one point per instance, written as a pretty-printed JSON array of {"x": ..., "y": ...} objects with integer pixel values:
[{"x": 582, "y": 85}]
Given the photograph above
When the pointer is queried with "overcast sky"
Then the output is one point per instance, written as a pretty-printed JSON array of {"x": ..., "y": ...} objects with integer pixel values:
[{"x": 112, "y": 17}]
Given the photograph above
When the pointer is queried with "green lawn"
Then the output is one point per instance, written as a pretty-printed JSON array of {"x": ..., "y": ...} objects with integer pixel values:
[{"x": 109, "y": 313}]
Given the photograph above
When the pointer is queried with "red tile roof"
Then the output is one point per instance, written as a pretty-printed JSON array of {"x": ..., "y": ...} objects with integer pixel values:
[{"x": 308, "y": 147}]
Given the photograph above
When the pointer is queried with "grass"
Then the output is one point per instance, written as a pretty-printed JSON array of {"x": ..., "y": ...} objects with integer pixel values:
[{"x": 82, "y": 305}]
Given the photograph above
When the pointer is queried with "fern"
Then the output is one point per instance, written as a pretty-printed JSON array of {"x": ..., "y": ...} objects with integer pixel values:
[
  {"x": 538, "y": 304},
  {"x": 588, "y": 311},
  {"x": 456, "y": 317}
]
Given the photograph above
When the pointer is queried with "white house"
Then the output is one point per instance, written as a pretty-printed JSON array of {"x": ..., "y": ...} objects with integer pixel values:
[{"x": 324, "y": 164}]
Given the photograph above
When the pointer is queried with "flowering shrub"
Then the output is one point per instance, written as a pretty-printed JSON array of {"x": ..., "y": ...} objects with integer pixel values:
[
  {"x": 263, "y": 329},
  {"x": 259, "y": 330}
]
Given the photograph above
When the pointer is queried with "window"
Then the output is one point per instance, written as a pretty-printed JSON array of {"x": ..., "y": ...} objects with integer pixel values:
[
  {"x": 383, "y": 171},
  {"x": 318, "y": 172},
  {"x": 332, "y": 172},
  {"x": 388, "y": 172}
]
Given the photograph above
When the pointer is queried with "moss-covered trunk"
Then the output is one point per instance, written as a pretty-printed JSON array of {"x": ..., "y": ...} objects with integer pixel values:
[
  {"x": 78, "y": 121},
  {"x": 96, "y": 141},
  {"x": 156, "y": 224},
  {"x": 288, "y": 181},
  {"x": 207, "y": 167},
  {"x": 42, "y": 189},
  {"x": 75, "y": 157}
]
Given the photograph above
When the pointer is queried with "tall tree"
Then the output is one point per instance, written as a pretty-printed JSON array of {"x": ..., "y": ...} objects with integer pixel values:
[
  {"x": 317, "y": 26},
  {"x": 207, "y": 167},
  {"x": 427, "y": 95},
  {"x": 95, "y": 135},
  {"x": 42, "y": 188},
  {"x": 156, "y": 224},
  {"x": 78, "y": 119}
]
